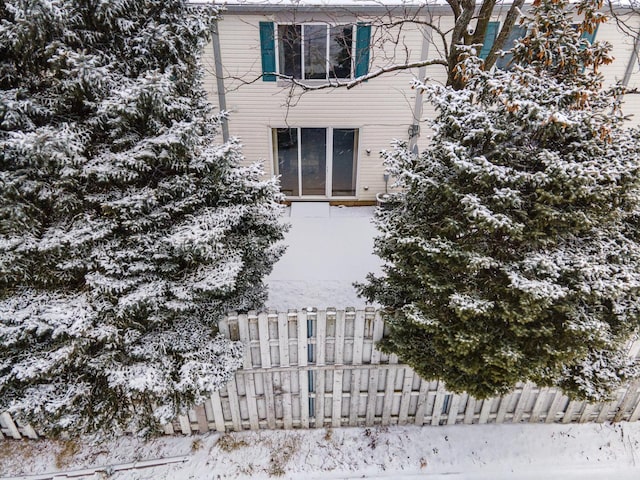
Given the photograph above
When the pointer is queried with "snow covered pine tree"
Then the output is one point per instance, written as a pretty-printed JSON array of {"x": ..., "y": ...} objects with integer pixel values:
[
  {"x": 512, "y": 252},
  {"x": 125, "y": 231}
]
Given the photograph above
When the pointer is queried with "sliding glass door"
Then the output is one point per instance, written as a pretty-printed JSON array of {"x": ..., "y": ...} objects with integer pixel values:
[
  {"x": 307, "y": 157},
  {"x": 313, "y": 161}
]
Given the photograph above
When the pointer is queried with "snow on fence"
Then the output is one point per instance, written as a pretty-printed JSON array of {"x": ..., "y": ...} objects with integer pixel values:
[{"x": 319, "y": 368}]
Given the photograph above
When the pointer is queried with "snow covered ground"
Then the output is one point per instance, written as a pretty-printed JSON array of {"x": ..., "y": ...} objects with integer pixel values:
[
  {"x": 496, "y": 452},
  {"x": 329, "y": 248}
]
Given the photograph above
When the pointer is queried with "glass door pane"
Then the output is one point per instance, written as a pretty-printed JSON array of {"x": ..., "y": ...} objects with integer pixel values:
[
  {"x": 286, "y": 144},
  {"x": 344, "y": 162},
  {"x": 314, "y": 160}
]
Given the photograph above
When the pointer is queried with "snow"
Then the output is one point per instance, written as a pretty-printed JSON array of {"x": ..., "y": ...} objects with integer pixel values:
[
  {"x": 328, "y": 248},
  {"x": 517, "y": 452},
  {"x": 320, "y": 3}
]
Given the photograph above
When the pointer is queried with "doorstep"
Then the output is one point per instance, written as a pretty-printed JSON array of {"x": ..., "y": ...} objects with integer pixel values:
[{"x": 310, "y": 209}]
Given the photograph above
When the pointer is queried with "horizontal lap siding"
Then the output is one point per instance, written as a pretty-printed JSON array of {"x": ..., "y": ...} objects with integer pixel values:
[
  {"x": 622, "y": 52},
  {"x": 380, "y": 108}
]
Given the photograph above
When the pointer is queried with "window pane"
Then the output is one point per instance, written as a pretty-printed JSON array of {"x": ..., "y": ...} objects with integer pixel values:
[
  {"x": 517, "y": 32},
  {"x": 286, "y": 142},
  {"x": 314, "y": 161},
  {"x": 344, "y": 162},
  {"x": 289, "y": 48},
  {"x": 340, "y": 51},
  {"x": 315, "y": 51}
]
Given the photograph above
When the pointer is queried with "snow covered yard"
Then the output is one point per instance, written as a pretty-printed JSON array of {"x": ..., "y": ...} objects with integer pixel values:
[
  {"x": 587, "y": 451},
  {"x": 329, "y": 248}
]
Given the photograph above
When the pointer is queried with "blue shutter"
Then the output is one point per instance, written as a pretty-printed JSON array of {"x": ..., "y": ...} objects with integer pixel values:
[
  {"x": 268, "y": 50},
  {"x": 590, "y": 36},
  {"x": 363, "y": 35},
  {"x": 517, "y": 32},
  {"x": 489, "y": 37}
]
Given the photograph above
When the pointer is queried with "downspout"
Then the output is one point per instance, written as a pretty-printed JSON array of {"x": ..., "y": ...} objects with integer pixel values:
[
  {"x": 222, "y": 99},
  {"x": 632, "y": 62},
  {"x": 414, "y": 129}
]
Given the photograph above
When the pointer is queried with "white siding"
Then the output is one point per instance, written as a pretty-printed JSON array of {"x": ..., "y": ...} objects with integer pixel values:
[
  {"x": 382, "y": 108},
  {"x": 623, "y": 54}
]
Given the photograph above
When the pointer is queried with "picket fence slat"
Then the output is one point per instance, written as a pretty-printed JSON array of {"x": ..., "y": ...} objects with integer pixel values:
[
  {"x": 452, "y": 415},
  {"x": 185, "y": 424},
  {"x": 570, "y": 410},
  {"x": 316, "y": 368},
  {"x": 372, "y": 399},
  {"x": 389, "y": 389},
  {"x": 249, "y": 380},
  {"x": 502, "y": 408},
  {"x": 538, "y": 404},
  {"x": 485, "y": 411},
  {"x": 11, "y": 428},
  {"x": 405, "y": 397},
  {"x": 632, "y": 394},
  {"x": 470, "y": 411},
  {"x": 303, "y": 375},
  {"x": 554, "y": 408},
  {"x": 358, "y": 349},
  {"x": 421, "y": 409}
]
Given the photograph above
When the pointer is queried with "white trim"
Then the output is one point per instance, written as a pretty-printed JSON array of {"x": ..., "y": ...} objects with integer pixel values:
[
  {"x": 356, "y": 170},
  {"x": 299, "y": 143},
  {"x": 274, "y": 158},
  {"x": 303, "y": 73},
  {"x": 276, "y": 39},
  {"x": 328, "y": 161},
  {"x": 327, "y": 57},
  {"x": 329, "y": 26},
  {"x": 328, "y": 168}
]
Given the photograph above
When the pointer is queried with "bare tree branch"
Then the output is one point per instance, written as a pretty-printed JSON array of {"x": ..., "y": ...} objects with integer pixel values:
[
  {"x": 455, "y": 8},
  {"x": 337, "y": 83},
  {"x": 507, "y": 26}
]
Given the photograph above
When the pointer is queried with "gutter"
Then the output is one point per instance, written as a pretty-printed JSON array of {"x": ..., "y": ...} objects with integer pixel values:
[
  {"x": 222, "y": 98},
  {"x": 354, "y": 7},
  {"x": 633, "y": 61},
  {"x": 414, "y": 130}
]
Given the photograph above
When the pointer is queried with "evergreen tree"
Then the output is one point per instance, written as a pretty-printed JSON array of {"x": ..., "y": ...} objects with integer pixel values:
[
  {"x": 126, "y": 232},
  {"x": 512, "y": 251}
]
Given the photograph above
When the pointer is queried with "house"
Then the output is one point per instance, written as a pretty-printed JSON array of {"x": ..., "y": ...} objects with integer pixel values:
[{"x": 324, "y": 140}]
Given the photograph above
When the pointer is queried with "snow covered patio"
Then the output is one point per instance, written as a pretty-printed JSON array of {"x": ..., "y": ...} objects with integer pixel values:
[{"x": 329, "y": 248}]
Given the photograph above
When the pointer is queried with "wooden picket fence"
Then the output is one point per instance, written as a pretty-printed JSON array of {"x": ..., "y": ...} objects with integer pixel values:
[{"x": 319, "y": 368}]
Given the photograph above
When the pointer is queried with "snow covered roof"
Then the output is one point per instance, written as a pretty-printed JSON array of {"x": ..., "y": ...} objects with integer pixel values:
[
  {"x": 324, "y": 3},
  {"x": 301, "y": 5},
  {"x": 265, "y": 5},
  {"x": 262, "y": 6}
]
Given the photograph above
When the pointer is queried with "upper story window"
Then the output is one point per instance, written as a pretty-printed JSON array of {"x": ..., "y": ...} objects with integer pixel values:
[
  {"x": 314, "y": 51},
  {"x": 517, "y": 32}
]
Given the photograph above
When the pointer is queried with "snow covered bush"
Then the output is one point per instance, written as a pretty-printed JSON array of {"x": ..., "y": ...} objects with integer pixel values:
[
  {"x": 126, "y": 232},
  {"x": 512, "y": 251}
]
